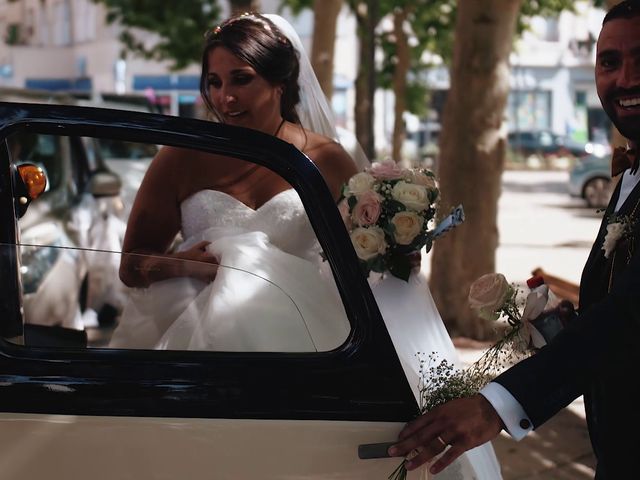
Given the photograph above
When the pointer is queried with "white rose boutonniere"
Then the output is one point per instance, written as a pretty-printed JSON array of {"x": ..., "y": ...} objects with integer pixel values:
[
  {"x": 618, "y": 228},
  {"x": 614, "y": 233}
]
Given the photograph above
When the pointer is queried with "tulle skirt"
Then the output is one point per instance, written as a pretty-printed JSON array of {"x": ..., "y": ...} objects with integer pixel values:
[{"x": 262, "y": 299}]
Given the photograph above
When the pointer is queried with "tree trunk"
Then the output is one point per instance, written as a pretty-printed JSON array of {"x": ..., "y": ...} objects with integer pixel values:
[
  {"x": 324, "y": 40},
  {"x": 242, "y": 6},
  {"x": 367, "y": 13},
  {"x": 400, "y": 81},
  {"x": 472, "y": 155}
]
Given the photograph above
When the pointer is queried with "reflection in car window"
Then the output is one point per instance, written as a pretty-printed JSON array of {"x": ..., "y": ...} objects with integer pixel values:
[
  {"x": 111, "y": 149},
  {"x": 269, "y": 289},
  {"x": 42, "y": 150}
]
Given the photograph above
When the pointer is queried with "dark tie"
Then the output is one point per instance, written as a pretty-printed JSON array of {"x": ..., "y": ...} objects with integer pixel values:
[{"x": 622, "y": 159}]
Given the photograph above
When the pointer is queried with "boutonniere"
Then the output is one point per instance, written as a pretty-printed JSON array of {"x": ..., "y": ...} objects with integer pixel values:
[{"x": 618, "y": 228}]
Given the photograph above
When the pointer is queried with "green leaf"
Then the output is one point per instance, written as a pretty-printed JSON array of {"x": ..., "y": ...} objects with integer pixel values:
[
  {"x": 376, "y": 264},
  {"x": 400, "y": 267}
]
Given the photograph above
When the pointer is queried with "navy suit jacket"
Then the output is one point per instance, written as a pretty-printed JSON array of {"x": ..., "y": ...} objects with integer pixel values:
[{"x": 598, "y": 355}]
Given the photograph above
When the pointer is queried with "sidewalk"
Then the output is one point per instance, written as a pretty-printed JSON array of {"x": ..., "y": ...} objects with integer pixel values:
[{"x": 541, "y": 226}]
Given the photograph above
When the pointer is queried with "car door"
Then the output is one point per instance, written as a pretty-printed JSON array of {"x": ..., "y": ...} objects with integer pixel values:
[{"x": 72, "y": 407}]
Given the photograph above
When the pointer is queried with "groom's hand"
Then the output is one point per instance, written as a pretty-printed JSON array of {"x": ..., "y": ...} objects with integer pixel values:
[{"x": 456, "y": 427}]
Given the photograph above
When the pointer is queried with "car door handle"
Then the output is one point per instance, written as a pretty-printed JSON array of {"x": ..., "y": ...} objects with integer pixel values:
[{"x": 374, "y": 450}]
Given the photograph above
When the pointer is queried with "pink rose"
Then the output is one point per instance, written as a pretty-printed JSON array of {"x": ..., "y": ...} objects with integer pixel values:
[
  {"x": 488, "y": 295},
  {"x": 386, "y": 170},
  {"x": 367, "y": 210}
]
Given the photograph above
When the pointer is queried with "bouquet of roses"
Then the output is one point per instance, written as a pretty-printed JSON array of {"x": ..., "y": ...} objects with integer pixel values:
[{"x": 389, "y": 212}]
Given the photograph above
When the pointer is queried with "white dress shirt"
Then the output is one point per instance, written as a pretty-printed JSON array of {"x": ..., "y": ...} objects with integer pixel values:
[{"x": 513, "y": 416}]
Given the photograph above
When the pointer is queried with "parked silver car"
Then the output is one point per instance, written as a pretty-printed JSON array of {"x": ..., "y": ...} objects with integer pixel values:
[
  {"x": 61, "y": 279},
  {"x": 590, "y": 179}
]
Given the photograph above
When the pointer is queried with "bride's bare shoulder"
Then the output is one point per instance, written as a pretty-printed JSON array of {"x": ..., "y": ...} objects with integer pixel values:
[{"x": 332, "y": 160}]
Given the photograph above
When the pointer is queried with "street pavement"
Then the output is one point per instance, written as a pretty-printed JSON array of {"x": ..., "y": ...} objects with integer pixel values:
[{"x": 540, "y": 225}]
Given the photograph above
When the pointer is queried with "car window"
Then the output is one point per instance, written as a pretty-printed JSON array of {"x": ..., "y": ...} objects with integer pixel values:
[
  {"x": 213, "y": 269},
  {"x": 112, "y": 149}
]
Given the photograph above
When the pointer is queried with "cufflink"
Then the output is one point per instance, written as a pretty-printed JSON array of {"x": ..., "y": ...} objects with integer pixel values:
[{"x": 525, "y": 424}]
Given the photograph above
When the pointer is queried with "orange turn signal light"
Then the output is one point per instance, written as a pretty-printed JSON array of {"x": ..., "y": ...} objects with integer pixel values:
[{"x": 34, "y": 178}]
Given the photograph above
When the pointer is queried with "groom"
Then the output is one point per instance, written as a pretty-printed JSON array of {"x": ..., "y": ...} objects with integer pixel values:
[{"x": 599, "y": 354}]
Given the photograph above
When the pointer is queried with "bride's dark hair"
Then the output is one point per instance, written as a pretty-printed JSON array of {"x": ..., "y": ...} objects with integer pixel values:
[{"x": 257, "y": 41}]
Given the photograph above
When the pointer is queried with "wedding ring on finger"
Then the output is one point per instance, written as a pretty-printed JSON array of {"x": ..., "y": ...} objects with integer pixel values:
[
  {"x": 442, "y": 442},
  {"x": 414, "y": 453}
]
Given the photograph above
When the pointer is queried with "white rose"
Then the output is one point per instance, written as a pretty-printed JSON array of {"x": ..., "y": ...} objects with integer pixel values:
[
  {"x": 368, "y": 242},
  {"x": 614, "y": 232},
  {"x": 408, "y": 226},
  {"x": 415, "y": 197},
  {"x": 360, "y": 183},
  {"x": 488, "y": 294}
]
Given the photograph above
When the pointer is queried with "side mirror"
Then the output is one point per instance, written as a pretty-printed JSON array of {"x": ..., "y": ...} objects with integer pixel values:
[
  {"x": 105, "y": 184},
  {"x": 30, "y": 183}
]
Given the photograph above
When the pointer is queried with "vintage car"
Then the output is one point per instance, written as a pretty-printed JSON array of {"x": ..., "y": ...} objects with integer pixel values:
[{"x": 72, "y": 408}]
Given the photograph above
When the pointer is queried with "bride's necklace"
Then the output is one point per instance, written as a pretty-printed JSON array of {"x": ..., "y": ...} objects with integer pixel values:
[
  {"x": 251, "y": 170},
  {"x": 279, "y": 128}
]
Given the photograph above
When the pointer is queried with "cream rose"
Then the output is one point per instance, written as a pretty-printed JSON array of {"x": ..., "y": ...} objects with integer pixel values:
[
  {"x": 360, "y": 183},
  {"x": 387, "y": 170},
  {"x": 368, "y": 242},
  {"x": 367, "y": 210},
  {"x": 488, "y": 294},
  {"x": 408, "y": 226},
  {"x": 414, "y": 197},
  {"x": 420, "y": 178}
]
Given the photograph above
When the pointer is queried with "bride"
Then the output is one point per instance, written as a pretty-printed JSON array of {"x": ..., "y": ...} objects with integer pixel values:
[{"x": 246, "y": 231}]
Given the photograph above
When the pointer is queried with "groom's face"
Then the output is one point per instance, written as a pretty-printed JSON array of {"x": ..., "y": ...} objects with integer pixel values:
[{"x": 618, "y": 74}]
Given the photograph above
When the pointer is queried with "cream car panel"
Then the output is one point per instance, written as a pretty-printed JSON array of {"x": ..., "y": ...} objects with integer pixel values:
[{"x": 59, "y": 447}]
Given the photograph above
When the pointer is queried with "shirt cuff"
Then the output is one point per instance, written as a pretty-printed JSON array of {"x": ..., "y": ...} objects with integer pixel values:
[{"x": 513, "y": 416}]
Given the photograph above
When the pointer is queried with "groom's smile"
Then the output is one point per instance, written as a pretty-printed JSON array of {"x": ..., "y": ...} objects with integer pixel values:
[{"x": 617, "y": 74}]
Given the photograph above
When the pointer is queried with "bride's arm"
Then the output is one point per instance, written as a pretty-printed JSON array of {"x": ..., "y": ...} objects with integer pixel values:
[{"x": 153, "y": 224}]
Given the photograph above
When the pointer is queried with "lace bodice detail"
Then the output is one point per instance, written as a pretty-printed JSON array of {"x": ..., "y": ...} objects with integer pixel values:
[{"x": 282, "y": 218}]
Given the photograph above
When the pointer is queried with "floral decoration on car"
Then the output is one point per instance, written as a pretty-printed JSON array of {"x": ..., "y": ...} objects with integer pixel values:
[{"x": 389, "y": 212}]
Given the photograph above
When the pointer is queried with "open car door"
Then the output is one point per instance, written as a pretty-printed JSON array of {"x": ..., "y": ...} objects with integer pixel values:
[{"x": 74, "y": 403}]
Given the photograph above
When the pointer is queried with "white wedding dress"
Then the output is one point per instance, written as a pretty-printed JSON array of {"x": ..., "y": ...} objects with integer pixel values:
[{"x": 274, "y": 293}]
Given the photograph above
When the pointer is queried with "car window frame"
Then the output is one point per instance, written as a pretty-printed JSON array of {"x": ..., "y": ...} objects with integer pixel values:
[{"x": 361, "y": 380}]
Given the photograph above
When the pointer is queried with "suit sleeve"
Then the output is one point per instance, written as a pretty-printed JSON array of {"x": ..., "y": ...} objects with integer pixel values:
[{"x": 548, "y": 381}]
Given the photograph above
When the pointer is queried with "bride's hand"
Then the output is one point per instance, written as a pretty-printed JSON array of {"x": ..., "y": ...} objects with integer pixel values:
[{"x": 198, "y": 263}]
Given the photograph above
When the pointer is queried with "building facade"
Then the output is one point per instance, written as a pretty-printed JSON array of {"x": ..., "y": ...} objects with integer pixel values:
[{"x": 68, "y": 45}]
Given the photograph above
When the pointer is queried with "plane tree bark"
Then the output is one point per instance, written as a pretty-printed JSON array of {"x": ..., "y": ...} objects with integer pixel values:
[{"x": 472, "y": 156}]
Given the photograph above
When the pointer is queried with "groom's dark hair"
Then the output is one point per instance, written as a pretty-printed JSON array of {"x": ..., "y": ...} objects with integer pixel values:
[{"x": 625, "y": 9}]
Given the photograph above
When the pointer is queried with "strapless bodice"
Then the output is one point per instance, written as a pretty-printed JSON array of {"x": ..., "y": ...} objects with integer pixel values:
[{"x": 282, "y": 218}]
